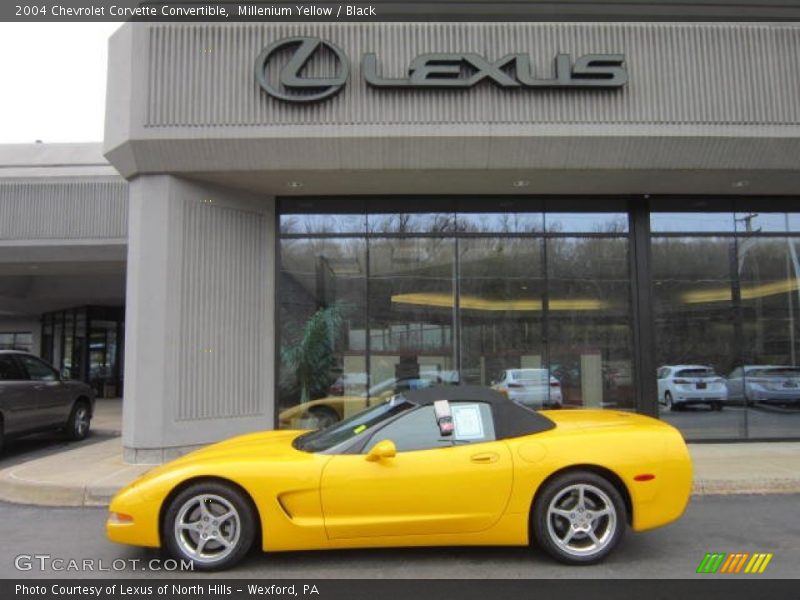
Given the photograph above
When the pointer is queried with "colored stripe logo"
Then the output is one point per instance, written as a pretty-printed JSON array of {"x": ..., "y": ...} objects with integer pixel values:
[{"x": 734, "y": 563}]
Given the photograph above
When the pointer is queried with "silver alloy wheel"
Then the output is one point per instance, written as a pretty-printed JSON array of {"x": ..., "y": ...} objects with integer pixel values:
[
  {"x": 207, "y": 528},
  {"x": 581, "y": 520},
  {"x": 81, "y": 421}
]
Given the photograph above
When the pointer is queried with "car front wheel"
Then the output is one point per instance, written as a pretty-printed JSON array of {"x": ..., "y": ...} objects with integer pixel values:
[
  {"x": 80, "y": 419},
  {"x": 211, "y": 524},
  {"x": 579, "y": 518}
]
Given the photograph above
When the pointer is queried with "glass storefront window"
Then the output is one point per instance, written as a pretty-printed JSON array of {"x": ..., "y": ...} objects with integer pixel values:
[
  {"x": 695, "y": 331},
  {"x": 538, "y": 304},
  {"x": 426, "y": 298},
  {"x": 763, "y": 222},
  {"x": 693, "y": 222},
  {"x": 510, "y": 222},
  {"x": 589, "y": 321},
  {"x": 409, "y": 223},
  {"x": 573, "y": 222},
  {"x": 323, "y": 373},
  {"x": 727, "y": 336},
  {"x": 502, "y": 314},
  {"x": 411, "y": 305},
  {"x": 320, "y": 224},
  {"x": 17, "y": 340}
]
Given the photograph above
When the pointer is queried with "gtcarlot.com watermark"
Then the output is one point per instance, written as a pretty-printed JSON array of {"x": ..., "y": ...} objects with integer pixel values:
[{"x": 47, "y": 562}]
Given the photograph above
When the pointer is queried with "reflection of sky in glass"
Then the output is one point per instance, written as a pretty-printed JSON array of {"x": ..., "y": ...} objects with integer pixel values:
[
  {"x": 411, "y": 222},
  {"x": 767, "y": 222},
  {"x": 691, "y": 221},
  {"x": 587, "y": 222},
  {"x": 353, "y": 223},
  {"x": 501, "y": 222}
]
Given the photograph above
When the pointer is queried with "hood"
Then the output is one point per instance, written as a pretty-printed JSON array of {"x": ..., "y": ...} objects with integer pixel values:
[{"x": 263, "y": 444}]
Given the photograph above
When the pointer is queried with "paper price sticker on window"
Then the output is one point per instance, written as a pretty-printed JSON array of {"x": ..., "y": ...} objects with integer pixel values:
[{"x": 468, "y": 421}]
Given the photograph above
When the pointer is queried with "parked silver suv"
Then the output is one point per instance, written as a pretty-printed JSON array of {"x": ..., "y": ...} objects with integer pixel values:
[{"x": 34, "y": 397}]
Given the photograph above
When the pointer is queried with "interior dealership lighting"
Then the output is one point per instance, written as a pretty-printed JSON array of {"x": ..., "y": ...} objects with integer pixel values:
[
  {"x": 748, "y": 292},
  {"x": 444, "y": 300}
]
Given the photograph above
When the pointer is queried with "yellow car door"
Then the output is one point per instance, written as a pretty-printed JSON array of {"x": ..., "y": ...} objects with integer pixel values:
[{"x": 432, "y": 485}]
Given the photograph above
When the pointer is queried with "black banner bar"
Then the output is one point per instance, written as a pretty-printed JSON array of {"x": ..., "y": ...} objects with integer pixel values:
[
  {"x": 392, "y": 10},
  {"x": 220, "y": 588}
]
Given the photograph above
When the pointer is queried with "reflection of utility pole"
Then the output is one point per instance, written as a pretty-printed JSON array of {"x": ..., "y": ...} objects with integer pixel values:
[
  {"x": 743, "y": 248},
  {"x": 793, "y": 280}
]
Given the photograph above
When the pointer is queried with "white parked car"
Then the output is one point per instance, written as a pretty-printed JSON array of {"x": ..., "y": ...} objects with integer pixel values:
[
  {"x": 766, "y": 384},
  {"x": 534, "y": 388},
  {"x": 684, "y": 385}
]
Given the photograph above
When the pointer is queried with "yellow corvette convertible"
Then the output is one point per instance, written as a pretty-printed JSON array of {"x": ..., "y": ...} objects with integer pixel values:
[{"x": 453, "y": 465}]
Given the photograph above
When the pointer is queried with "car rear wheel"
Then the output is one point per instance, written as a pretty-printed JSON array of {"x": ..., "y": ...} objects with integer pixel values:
[
  {"x": 79, "y": 422},
  {"x": 668, "y": 401},
  {"x": 211, "y": 524},
  {"x": 579, "y": 518},
  {"x": 323, "y": 416}
]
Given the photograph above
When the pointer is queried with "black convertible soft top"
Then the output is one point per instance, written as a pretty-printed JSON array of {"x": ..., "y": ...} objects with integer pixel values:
[{"x": 510, "y": 419}]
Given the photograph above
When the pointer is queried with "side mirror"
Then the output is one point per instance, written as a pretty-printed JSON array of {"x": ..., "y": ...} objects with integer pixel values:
[{"x": 381, "y": 450}]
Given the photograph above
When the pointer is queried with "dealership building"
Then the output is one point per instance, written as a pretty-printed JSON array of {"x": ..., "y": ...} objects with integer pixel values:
[{"x": 288, "y": 221}]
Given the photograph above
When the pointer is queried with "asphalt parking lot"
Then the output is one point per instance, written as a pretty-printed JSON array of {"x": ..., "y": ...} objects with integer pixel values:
[{"x": 711, "y": 524}]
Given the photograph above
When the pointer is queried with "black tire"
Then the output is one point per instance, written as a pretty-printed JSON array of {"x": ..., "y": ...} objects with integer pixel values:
[
  {"x": 79, "y": 422},
  {"x": 324, "y": 416},
  {"x": 566, "y": 536},
  {"x": 2, "y": 434},
  {"x": 716, "y": 406},
  {"x": 185, "y": 508}
]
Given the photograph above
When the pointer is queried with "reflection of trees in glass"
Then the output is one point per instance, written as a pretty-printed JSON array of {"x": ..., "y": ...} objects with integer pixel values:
[
  {"x": 310, "y": 360},
  {"x": 692, "y": 293}
]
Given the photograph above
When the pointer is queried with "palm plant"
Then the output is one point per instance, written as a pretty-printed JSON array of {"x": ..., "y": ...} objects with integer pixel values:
[{"x": 311, "y": 359}]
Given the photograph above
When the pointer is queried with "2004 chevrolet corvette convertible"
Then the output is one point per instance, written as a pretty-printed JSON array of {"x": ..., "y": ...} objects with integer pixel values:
[{"x": 439, "y": 466}]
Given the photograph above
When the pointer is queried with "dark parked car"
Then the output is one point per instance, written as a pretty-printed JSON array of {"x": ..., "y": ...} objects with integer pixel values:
[{"x": 34, "y": 397}]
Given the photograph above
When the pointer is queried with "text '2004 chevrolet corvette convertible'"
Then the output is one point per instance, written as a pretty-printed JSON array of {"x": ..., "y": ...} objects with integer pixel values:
[{"x": 453, "y": 465}]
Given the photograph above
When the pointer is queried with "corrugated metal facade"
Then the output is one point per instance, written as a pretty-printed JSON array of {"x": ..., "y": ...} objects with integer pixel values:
[
  {"x": 64, "y": 209},
  {"x": 202, "y": 75},
  {"x": 221, "y": 361}
]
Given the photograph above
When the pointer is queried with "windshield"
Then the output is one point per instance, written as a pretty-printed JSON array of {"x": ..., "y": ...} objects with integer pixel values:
[
  {"x": 701, "y": 372},
  {"x": 774, "y": 372},
  {"x": 324, "y": 439}
]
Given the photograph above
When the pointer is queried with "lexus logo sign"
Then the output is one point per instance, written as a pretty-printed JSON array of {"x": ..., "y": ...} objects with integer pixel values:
[
  {"x": 293, "y": 87},
  {"x": 291, "y": 81}
]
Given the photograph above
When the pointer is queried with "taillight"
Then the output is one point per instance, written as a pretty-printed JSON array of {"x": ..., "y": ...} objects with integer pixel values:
[
  {"x": 682, "y": 381},
  {"x": 554, "y": 384},
  {"x": 515, "y": 385}
]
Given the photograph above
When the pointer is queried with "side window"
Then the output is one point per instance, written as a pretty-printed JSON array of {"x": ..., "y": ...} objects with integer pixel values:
[
  {"x": 9, "y": 371},
  {"x": 37, "y": 370},
  {"x": 418, "y": 430},
  {"x": 737, "y": 372}
]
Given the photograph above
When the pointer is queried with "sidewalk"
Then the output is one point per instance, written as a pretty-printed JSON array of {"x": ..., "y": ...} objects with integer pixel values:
[{"x": 89, "y": 473}]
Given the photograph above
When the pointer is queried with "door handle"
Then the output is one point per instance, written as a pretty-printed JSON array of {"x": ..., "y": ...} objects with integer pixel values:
[{"x": 485, "y": 457}]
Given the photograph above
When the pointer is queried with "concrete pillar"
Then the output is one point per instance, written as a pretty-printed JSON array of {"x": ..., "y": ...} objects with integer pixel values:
[{"x": 199, "y": 347}]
